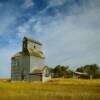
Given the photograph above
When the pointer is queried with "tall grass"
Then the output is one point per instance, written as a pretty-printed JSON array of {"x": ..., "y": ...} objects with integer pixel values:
[{"x": 56, "y": 89}]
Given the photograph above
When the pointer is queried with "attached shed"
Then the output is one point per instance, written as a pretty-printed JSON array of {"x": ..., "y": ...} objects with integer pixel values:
[{"x": 40, "y": 74}]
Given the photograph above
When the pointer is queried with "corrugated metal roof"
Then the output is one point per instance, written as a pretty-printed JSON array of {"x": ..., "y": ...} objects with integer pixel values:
[
  {"x": 36, "y": 52},
  {"x": 30, "y": 52},
  {"x": 81, "y": 73},
  {"x": 20, "y": 54},
  {"x": 38, "y": 70}
]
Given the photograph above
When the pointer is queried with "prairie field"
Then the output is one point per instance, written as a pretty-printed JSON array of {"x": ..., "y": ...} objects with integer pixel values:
[{"x": 55, "y": 89}]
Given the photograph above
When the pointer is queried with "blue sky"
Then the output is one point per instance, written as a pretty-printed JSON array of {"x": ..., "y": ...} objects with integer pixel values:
[{"x": 69, "y": 30}]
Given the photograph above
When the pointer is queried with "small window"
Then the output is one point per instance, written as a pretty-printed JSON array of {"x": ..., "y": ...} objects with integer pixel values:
[
  {"x": 14, "y": 62},
  {"x": 24, "y": 45},
  {"x": 47, "y": 73},
  {"x": 34, "y": 46}
]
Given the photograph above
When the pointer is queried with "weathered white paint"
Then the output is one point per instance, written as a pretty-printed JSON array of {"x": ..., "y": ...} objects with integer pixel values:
[
  {"x": 36, "y": 62},
  {"x": 46, "y": 75}
]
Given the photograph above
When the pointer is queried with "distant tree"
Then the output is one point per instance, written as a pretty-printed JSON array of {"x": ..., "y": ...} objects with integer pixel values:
[
  {"x": 92, "y": 70},
  {"x": 97, "y": 75},
  {"x": 80, "y": 69},
  {"x": 69, "y": 73},
  {"x": 60, "y": 71}
]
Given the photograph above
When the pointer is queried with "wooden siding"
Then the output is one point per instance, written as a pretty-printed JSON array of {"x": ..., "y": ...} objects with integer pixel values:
[
  {"x": 20, "y": 68},
  {"x": 35, "y": 77}
]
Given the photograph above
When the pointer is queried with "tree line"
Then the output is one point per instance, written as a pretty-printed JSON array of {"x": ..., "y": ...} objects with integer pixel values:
[{"x": 87, "y": 71}]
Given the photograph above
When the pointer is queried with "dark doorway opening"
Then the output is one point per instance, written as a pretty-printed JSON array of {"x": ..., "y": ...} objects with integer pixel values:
[{"x": 22, "y": 75}]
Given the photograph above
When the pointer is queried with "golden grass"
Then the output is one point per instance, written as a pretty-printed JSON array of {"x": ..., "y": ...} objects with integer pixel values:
[{"x": 56, "y": 89}]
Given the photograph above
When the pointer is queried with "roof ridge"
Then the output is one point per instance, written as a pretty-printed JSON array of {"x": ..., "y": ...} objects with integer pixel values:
[{"x": 32, "y": 40}]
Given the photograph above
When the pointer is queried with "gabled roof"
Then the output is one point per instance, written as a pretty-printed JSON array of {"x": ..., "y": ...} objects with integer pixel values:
[
  {"x": 36, "y": 52},
  {"x": 80, "y": 73},
  {"x": 32, "y": 40},
  {"x": 38, "y": 70},
  {"x": 30, "y": 52}
]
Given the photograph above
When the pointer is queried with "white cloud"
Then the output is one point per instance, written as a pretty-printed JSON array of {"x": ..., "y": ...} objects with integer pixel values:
[
  {"x": 53, "y": 3},
  {"x": 72, "y": 39},
  {"x": 27, "y": 4},
  {"x": 21, "y": 31},
  {"x": 68, "y": 39},
  {"x": 5, "y": 22}
]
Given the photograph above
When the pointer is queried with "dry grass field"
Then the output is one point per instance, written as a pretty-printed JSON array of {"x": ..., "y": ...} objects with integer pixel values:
[{"x": 56, "y": 89}]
